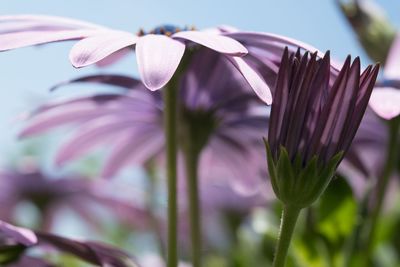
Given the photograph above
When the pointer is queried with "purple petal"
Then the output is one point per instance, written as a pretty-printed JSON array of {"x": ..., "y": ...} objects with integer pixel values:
[
  {"x": 109, "y": 79},
  {"x": 259, "y": 86},
  {"x": 96, "y": 48},
  {"x": 257, "y": 38},
  {"x": 136, "y": 148},
  {"x": 385, "y": 102},
  {"x": 158, "y": 57},
  {"x": 21, "y": 39},
  {"x": 92, "y": 252},
  {"x": 392, "y": 66},
  {"x": 98, "y": 131},
  {"x": 219, "y": 43},
  {"x": 27, "y": 261},
  {"x": 21, "y": 235}
]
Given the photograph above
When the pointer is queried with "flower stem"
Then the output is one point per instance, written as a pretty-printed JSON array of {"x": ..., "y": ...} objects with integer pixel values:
[
  {"x": 288, "y": 222},
  {"x": 152, "y": 207},
  {"x": 191, "y": 160},
  {"x": 170, "y": 124},
  {"x": 382, "y": 183}
]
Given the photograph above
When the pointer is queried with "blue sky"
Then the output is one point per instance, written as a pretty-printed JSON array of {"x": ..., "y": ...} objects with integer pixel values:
[{"x": 26, "y": 74}]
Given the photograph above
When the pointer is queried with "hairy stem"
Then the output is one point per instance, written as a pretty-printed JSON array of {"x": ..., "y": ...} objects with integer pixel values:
[{"x": 289, "y": 218}]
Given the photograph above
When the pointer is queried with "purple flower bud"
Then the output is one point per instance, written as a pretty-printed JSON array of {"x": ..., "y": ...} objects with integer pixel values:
[{"x": 313, "y": 123}]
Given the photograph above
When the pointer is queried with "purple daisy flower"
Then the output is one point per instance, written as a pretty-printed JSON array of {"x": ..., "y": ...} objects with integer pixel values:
[
  {"x": 50, "y": 195},
  {"x": 15, "y": 240},
  {"x": 217, "y": 98},
  {"x": 158, "y": 52}
]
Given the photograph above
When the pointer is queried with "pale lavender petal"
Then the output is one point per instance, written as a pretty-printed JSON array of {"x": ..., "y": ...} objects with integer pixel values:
[
  {"x": 21, "y": 235},
  {"x": 113, "y": 58},
  {"x": 259, "y": 86},
  {"x": 258, "y": 37},
  {"x": 219, "y": 43},
  {"x": 392, "y": 66},
  {"x": 270, "y": 37},
  {"x": 21, "y": 39},
  {"x": 385, "y": 102},
  {"x": 158, "y": 57},
  {"x": 96, "y": 48},
  {"x": 14, "y": 23},
  {"x": 50, "y": 120},
  {"x": 135, "y": 148},
  {"x": 98, "y": 131}
]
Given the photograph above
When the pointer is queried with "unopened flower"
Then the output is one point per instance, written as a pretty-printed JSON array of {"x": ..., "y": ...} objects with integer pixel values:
[{"x": 312, "y": 123}]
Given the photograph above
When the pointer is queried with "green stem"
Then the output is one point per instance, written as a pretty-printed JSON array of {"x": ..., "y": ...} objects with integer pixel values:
[
  {"x": 152, "y": 206},
  {"x": 170, "y": 121},
  {"x": 391, "y": 158},
  {"x": 191, "y": 160},
  {"x": 288, "y": 223}
]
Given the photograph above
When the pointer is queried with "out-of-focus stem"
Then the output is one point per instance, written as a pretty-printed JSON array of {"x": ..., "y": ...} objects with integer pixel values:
[
  {"x": 191, "y": 160},
  {"x": 391, "y": 157},
  {"x": 152, "y": 207}
]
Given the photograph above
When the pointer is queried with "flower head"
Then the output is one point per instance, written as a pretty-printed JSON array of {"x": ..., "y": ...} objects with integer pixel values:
[
  {"x": 158, "y": 52},
  {"x": 312, "y": 124},
  {"x": 216, "y": 99}
]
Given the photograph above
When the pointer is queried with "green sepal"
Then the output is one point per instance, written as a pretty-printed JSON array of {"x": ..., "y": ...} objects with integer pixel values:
[
  {"x": 271, "y": 167},
  {"x": 322, "y": 179},
  {"x": 298, "y": 185}
]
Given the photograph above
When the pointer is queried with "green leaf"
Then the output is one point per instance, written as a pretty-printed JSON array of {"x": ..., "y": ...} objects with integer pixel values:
[
  {"x": 10, "y": 253},
  {"x": 337, "y": 212}
]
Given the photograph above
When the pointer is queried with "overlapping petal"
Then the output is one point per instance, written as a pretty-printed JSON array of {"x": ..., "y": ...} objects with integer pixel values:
[
  {"x": 93, "y": 49},
  {"x": 16, "y": 23},
  {"x": 158, "y": 57},
  {"x": 219, "y": 43},
  {"x": 259, "y": 86},
  {"x": 21, "y": 39}
]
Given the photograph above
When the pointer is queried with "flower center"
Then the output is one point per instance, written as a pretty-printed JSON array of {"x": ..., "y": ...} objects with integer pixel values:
[
  {"x": 166, "y": 29},
  {"x": 198, "y": 125}
]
